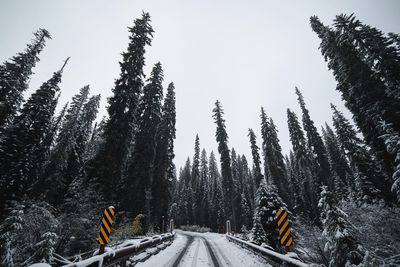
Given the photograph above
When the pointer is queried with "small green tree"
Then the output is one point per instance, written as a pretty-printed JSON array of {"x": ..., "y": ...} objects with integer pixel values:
[{"x": 137, "y": 225}]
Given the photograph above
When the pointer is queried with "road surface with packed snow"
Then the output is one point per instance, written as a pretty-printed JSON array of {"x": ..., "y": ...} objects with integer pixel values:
[{"x": 203, "y": 249}]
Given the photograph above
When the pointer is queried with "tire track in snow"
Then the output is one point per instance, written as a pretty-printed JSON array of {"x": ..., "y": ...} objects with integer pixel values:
[
  {"x": 183, "y": 252},
  {"x": 211, "y": 252},
  {"x": 221, "y": 253},
  {"x": 196, "y": 253}
]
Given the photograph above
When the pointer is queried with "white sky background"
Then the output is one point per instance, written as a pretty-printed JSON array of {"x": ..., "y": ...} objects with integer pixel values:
[{"x": 247, "y": 54}]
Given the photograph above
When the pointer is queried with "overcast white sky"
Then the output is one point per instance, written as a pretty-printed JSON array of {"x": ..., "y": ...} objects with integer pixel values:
[{"x": 247, "y": 54}]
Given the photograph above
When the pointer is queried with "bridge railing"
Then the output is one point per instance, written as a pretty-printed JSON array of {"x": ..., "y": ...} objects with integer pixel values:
[
  {"x": 120, "y": 255},
  {"x": 277, "y": 257}
]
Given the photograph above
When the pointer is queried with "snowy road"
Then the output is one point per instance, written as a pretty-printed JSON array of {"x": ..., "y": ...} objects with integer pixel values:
[{"x": 209, "y": 249}]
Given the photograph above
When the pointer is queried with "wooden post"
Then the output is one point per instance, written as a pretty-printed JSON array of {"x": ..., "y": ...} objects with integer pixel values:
[
  {"x": 101, "y": 249},
  {"x": 171, "y": 225},
  {"x": 228, "y": 227}
]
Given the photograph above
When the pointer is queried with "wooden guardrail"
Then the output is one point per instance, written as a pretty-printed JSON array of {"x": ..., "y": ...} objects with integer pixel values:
[
  {"x": 121, "y": 255},
  {"x": 278, "y": 257}
]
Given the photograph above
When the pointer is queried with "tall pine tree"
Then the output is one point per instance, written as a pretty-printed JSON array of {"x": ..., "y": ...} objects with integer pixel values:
[
  {"x": 14, "y": 77},
  {"x": 22, "y": 150},
  {"x": 315, "y": 145},
  {"x": 164, "y": 169},
  {"x": 226, "y": 171},
  {"x": 196, "y": 181},
  {"x": 54, "y": 182},
  {"x": 256, "y": 158},
  {"x": 107, "y": 167},
  {"x": 273, "y": 158},
  {"x": 305, "y": 171},
  {"x": 358, "y": 72},
  {"x": 140, "y": 173},
  {"x": 341, "y": 172},
  {"x": 372, "y": 185}
]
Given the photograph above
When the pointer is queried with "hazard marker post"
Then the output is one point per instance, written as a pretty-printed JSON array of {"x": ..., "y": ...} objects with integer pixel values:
[
  {"x": 285, "y": 231},
  {"x": 105, "y": 227}
]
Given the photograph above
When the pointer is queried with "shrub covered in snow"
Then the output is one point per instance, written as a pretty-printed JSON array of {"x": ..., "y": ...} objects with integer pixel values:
[
  {"x": 29, "y": 234},
  {"x": 195, "y": 228},
  {"x": 137, "y": 225}
]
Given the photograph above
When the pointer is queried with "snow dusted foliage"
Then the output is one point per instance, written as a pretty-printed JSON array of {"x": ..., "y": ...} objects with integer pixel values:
[
  {"x": 308, "y": 242},
  {"x": 80, "y": 217},
  {"x": 45, "y": 248},
  {"x": 340, "y": 234},
  {"x": 267, "y": 203},
  {"x": 392, "y": 142},
  {"x": 377, "y": 230},
  {"x": 28, "y": 234}
]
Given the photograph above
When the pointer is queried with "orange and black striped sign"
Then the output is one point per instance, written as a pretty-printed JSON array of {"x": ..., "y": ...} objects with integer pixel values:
[
  {"x": 105, "y": 226},
  {"x": 285, "y": 232}
]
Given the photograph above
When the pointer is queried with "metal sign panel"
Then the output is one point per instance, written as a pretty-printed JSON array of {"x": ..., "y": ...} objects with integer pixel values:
[
  {"x": 285, "y": 231},
  {"x": 105, "y": 226}
]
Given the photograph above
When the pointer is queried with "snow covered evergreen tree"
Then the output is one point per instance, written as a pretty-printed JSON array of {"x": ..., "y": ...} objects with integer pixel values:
[
  {"x": 250, "y": 188},
  {"x": 226, "y": 171},
  {"x": 76, "y": 158},
  {"x": 164, "y": 168},
  {"x": 22, "y": 151},
  {"x": 185, "y": 195},
  {"x": 14, "y": 77},
  {"x": 196, "y": 181},
  {"x": 343, "y": 177},
  {"x": 237, "y": 189},
  {"x": 141, "y": 169},
  {"x": 305, "y": 171},
  {"x": 51, "y": 135},
  {"x": 54, "y": 182},
  {"x": 256, "y": 158},
  {"x": 95, "y": 140},
  {"x": 204, "y": 190},
  {"x": 372, "y": 185},
  {"x": 344, "y": 248},
  {"x": 315, "y": 145},
  {"x": 273, "y": 158},
  {"x": 362, "y": 89},
  {"x": 107, "y": 168},
  {"x": 216, "y": 199},
  {"x": 375, "y": 49},
  {"x": 267, "y": 203}
]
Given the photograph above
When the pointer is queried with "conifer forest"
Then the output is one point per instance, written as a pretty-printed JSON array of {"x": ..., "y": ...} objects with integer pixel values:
[{"x": 61, "y": 163}]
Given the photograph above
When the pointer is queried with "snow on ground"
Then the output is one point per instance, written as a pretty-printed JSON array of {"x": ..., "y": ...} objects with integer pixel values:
[
  {"x": 234, "y": 255},
  {"x": 168, "y": 255},
  {"x": 203, "y": 249}
]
